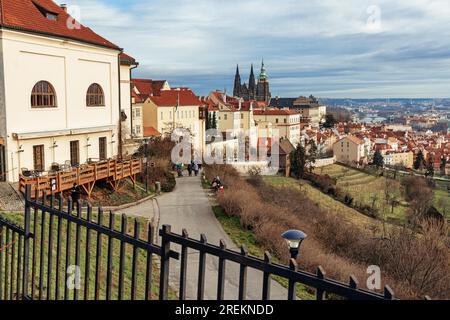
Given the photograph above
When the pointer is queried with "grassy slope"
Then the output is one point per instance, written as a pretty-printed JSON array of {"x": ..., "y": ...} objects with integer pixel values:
[
  {"x": 324, "y": 201},
  {"x": 363, "y": 187},
  {"x": 104, "y": 196},
  {"x": 141, "y": 260},
  {"x": 442, "y": 201},
  {"x": 240, "y": 236}
]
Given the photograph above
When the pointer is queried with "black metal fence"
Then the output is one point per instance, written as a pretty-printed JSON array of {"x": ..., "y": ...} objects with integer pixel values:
[
  {"x": 65, "y": 254},
  {"x": 11, "y": 253}
]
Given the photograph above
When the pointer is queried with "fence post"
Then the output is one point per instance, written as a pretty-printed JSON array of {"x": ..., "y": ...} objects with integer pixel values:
[
  {"x": 292, "y": 294},
  {"x": 267, "y": 278},
  {"x": 388, "y": 293},
  {"x": 165, "y": 263},
  {"x": 26, "y": 246},
  {"x": 321, "y": 274}
]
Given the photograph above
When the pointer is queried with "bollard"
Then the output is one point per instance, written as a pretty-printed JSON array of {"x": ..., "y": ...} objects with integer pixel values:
[{"x": 158, "y": 187}]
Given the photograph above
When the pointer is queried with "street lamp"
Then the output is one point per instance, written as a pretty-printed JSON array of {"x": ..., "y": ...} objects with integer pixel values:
[{"x": 294, "y": 239}]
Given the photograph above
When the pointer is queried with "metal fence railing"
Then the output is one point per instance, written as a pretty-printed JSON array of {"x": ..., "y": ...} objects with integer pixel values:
[{"x": 78, "y": 254}]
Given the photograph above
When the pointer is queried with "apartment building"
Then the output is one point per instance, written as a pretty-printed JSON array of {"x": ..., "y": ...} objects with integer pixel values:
[
  {"x": 311, "y": 110},
  {"x": 142, "y": 90},
  {"x": 350, "y": 150},
  {"x": 405, "y": 159},
  {"x": 175, "y": 108},
  {"x": 230, "y": 120},
  {"x": 286, "y": 121}
]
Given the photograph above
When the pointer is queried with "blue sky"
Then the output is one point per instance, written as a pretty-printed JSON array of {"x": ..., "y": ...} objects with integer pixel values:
[{"x": 329, "y": 48}]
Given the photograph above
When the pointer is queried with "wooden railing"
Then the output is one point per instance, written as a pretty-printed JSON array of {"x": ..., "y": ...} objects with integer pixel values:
[{"x": 85, "y": 175}]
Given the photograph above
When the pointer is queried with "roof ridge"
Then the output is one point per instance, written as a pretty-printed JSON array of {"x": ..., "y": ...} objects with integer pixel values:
[{"x": 25, "y": 16}]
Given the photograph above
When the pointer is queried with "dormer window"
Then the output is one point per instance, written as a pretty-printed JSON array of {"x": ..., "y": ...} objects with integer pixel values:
[
  {"x": 51, "y": 16},
  {"x": 46, "y": 13}
]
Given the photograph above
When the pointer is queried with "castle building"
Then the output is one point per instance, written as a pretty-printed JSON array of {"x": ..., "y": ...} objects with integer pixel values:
[{"x": 259, "y": 91}]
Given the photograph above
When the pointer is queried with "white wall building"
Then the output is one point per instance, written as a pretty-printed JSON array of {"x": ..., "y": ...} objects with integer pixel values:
[{"x": 60, "y": 89}]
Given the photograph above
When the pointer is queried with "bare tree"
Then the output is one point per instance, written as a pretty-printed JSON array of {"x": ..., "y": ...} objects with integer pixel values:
[{"x": 420, "y": 196}]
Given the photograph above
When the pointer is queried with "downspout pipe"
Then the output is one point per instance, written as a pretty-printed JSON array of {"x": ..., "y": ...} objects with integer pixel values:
[
  {"x": 120, "y": 151},
  {"x": 131, "y": 97}
]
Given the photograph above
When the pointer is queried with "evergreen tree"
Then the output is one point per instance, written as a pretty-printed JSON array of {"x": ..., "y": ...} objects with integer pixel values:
[
  {"x": 378, "y": 159},
  {"x": 430, "y": 167},
  {"x": 214, "y": 121},
  {"x": 330, "y": 121},
  {"x": 208, "y": 121},
  {"x": 420, "y": 161},
  {"x": 298, "y": 161},
  {"x": 443, "y": 164},
  {"x": 303, "y": 159},
  {"x": 312, "y": 155}
]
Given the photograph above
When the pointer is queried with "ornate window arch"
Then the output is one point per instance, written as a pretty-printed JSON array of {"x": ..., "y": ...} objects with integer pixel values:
[
  {"x": 43, "y": 95},
  {"x": 95, "y": 96}
]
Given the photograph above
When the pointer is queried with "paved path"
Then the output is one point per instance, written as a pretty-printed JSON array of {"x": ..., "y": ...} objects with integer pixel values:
[{"x": 189, "y": 207}]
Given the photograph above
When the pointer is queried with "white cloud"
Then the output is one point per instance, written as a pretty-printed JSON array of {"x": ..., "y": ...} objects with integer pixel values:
[{"x": 181, "y": 38}]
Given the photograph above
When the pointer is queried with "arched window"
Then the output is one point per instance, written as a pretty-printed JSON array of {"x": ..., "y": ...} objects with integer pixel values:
[
  {"x": 43, "y": 95},
  {"x": 94, "y": 96}
]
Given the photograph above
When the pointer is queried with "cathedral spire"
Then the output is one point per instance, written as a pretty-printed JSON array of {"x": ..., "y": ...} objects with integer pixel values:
[
  {"x": 263, "y": 88},
  {"x": 263, "y": 74},
  {"x": 252, "y": 84},
  {"x": 237, "y": 83}
]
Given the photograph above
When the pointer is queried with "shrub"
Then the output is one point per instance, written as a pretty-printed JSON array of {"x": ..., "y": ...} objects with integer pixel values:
[
  {"x": 414, "y": 265},
  {"x": 169, "y": 182},
  {"x": 158, "y": 153}
]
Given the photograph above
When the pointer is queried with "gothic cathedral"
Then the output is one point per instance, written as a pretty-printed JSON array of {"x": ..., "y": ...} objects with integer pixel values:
[{"x": 259, "y": 91}]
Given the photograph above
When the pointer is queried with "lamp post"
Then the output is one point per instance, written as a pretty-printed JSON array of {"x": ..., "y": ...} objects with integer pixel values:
[{"x": 294, "y": 239}]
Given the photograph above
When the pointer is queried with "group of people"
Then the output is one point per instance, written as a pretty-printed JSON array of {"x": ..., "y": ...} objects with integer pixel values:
[{"x": 192, "y": 168}]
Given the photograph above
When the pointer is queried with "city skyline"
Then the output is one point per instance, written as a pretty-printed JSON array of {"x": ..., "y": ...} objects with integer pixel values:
[{"x": 356, "y": 50}]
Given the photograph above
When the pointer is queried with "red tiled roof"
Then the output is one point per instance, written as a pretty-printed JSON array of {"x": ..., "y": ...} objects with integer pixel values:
[
  {"x": 26, "y": 15},
  {"x": 149, "y": 87},
  {"x": 127, "y": 59},
  {"x": 213, "y": 108},
  {"x": 139, "y": 98},
  {"x": 151, "y": 132},
  {"x": 355, "y": 140},
  {"x": 170, "y": 98}
]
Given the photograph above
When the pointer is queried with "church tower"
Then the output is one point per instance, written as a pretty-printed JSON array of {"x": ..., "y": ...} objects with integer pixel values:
[
  {"x": 252, "y": 85},
  {"x": 263, "y": 88},
  {"x": 237, "y": 83}
]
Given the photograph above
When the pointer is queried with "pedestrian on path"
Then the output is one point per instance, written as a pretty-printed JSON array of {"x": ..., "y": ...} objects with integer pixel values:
[
  {"x": 196, "y": 169},
  {"x": 190, "y": 168},
  {"x": 180, "y": 170}
]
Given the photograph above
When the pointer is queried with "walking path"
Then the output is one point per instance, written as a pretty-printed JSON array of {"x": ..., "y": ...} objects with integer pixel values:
[{"x": 188, "y": 207}]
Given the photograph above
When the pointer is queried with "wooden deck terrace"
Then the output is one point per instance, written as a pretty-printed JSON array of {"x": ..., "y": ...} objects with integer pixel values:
[{"x": 112, "y": 171}]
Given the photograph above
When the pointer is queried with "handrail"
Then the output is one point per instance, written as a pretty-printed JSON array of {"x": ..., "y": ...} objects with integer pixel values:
[{"x": 90, "y": 173}]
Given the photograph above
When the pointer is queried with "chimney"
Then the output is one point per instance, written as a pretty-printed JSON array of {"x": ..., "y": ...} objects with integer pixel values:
[
  {"x": 64, "y": 7},
  {"x": 240, "y": 104}
]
